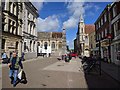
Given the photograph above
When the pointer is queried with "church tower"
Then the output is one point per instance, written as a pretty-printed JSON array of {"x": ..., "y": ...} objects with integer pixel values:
[
  {"x": 64, "y": 41},
  {"x": 81, "y": 32}
]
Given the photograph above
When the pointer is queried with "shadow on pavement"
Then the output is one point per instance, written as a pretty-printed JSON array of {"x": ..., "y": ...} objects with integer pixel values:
[{"x": 95, "y": 80}]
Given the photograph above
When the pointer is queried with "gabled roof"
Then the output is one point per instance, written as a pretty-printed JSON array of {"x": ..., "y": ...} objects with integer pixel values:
[{"x": 89, "y": 28}]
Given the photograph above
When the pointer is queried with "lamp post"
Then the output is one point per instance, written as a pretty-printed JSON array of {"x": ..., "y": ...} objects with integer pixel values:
[{"x": 109, "y": 36}]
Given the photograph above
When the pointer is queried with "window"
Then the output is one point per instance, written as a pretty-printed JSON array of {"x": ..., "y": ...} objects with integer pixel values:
[
  {"x": 13, "y": 8},
  {"x": 24, "y": 46},
  {"x": 116, "y": 30},
  {"x": 28, "y": 14},
  {"x": 99, "y": 24},
  {"x": 38, "y": 43},
  {"x": 53, "y": 44},
  {"x": 81, "y": 30},
  {"x": 30, "y": 29},
  {"x": 34, "y": 46},
  {"x": 105, "y": 19},
  {"x": 10, "y": 7},
  {"x": 105, "y": 32},
  {"x": 45, "y": 45},
  {"x": 91, "y": 46},
  {"x": 101, "y": 21},
  {"x": 118, "y": 51},
  {"x": 86, "y": 39},
  {"x": 30, "y": 45},
  {"x": 99, "y": 37},
  {"x": 114, "y": 11},
  {"x": 96, "y": 26},
  {"x": 3, "y": 43},
  {"x": 102, "y": 34},
  {"x": 60, "y": 45},
  {"x": 16, "y": 46}
]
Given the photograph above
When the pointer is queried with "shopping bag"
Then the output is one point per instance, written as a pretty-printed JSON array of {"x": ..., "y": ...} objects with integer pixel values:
[
  {"x": 20, "y": 75},
  {"x": 23, "y": 78}
]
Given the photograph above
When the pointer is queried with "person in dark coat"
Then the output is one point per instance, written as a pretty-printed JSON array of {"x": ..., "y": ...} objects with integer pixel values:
[{"x": 14, "y": 64}]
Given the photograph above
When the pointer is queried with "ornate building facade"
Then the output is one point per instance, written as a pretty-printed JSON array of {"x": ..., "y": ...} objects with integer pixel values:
[
  {"x": 52, "y": 39},
  {"x": 12, "y": 27},
  {"x": 19, "y": 28},
  {"x": 29, "y": 31},
  {"x": 82, "y": 39}
]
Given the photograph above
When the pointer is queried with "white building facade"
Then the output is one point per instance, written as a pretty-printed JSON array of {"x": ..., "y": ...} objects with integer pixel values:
[
  {"x": 29, "y": 39},
  {"x": 11, "y": 27}
]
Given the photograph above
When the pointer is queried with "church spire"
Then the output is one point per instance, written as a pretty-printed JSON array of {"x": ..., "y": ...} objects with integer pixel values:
[{"x": 81, "y": 18}]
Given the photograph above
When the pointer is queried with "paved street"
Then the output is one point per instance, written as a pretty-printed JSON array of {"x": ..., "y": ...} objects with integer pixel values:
[{"x": 51, "y": 73}]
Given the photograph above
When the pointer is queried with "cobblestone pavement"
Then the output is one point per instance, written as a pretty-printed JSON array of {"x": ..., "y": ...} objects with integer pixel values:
[{"x": 51, "y": 73}]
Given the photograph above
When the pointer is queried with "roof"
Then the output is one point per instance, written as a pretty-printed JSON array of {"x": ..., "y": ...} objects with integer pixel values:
[
  {"x": 105, "y": 10},
  {"x": 49, "y": 35},
  {"x": 44, "y": 35},
  {"x": 89, "y": 28}
]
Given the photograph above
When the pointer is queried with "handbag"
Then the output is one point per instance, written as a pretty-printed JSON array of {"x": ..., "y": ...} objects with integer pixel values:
[{"x": 22, "y": 77}]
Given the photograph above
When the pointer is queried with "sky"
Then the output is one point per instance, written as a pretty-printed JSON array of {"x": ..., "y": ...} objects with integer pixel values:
[{"x": 54, "y": 16}]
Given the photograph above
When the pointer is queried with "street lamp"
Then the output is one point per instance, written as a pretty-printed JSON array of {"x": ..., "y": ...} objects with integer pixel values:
[{"x": 109, "y": 36}]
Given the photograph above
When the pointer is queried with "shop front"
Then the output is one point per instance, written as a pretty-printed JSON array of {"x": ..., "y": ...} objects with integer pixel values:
[
  {"x": 115, "y": 52},
  {"x": 105, "y": 50}
]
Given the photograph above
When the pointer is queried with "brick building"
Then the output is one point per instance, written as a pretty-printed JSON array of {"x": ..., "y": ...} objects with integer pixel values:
[
  {"x": 107, "y": 29},
  {"x": 115, "y": 30},
  {"x": 102, "y": 30}
]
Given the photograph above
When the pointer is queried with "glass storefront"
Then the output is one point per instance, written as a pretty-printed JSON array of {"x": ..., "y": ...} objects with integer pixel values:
[{"x": 118, "y": 51}]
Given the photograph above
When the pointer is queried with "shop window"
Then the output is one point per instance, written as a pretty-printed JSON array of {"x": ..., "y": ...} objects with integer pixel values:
[{"x": 118, "y": 51}]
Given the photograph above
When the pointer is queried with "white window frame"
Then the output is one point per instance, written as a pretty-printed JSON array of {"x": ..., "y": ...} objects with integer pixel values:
[
  {"x": 101, "y": 21},
  {"x": 105, "y": 31},
  {"x": 105, "y": 17},
  {"x": 114, "y": 11}
]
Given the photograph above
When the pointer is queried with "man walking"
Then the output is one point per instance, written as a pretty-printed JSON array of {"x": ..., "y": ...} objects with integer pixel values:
[{"x": 14, "y": 64}]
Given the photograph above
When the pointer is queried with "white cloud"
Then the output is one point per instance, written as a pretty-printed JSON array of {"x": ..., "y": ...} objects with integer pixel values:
[
  {"x": 38, "y": 5},
  {"x": 70, "y": 23},
  {"x": 75, "y": 9},
  {"x": 50, "y": 23}
]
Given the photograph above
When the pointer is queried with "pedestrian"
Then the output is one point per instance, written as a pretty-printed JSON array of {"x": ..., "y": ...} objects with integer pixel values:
[
  {"x": 15, "y": 63},
  {"x": 4, "y": 58},
  {"x": 22, "y": 56},
  {"x": 10, "y": 54}
]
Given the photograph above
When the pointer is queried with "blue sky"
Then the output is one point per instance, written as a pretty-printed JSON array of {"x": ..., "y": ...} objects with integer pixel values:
[{"x": 57, "y": 15}]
